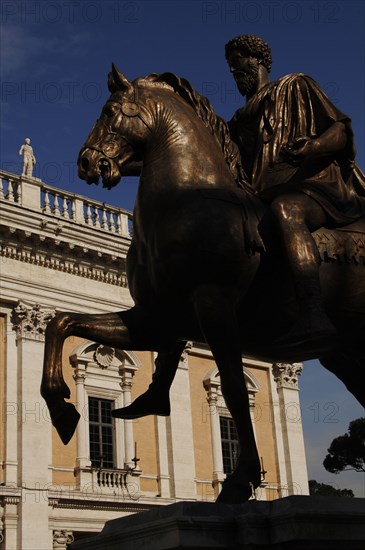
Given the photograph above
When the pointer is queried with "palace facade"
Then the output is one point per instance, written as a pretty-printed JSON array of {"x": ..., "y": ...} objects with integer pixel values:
[{"x": 61, "y": 251}]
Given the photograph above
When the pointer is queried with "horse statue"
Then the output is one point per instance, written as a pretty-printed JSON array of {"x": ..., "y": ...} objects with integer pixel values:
[{"x": 203, "y": 264}]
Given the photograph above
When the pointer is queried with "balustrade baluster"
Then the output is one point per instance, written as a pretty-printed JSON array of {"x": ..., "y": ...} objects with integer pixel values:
[
  {"x": 10, "y": 196},
  {"x": 104, "y": 220},
  {"x": 73, "y": 210},
  {"x": 18, "y": 192},
  {"x": 47, "y": 204},
  {"x": 113, "y": 228},
  {"x": 56, "y": 206},
  {"x": 65, "y": 213},
  {"x": 119, "y": 224},
  {"x": 1, "y": 189},
  {"x": 96, "y": 217},
  {"x": 88, "y": 214}
]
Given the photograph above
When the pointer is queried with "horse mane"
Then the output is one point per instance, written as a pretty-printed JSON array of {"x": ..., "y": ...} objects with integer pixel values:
[{"x": 217, "y": 126}]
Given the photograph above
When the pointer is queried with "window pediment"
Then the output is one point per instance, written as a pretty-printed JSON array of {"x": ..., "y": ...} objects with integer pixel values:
[{"x": 96, "y": 356}]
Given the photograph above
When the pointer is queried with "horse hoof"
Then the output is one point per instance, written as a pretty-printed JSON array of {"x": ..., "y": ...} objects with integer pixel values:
[
  {"x": 235, "y": 494},
  {"x": 65, "y": 419}
]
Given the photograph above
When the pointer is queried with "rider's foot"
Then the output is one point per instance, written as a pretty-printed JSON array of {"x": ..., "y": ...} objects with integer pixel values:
[{"x": 150, "y": 402}]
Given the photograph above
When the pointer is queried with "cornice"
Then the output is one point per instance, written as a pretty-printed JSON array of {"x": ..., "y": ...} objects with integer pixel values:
[
  {"x": 53, "y": 252},
  {"x": 100, "y": 503}
]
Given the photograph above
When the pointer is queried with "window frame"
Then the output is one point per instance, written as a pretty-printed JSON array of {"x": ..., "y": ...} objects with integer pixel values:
[
  {"x": 108, "y": 464},
  {"x": 231, "y": 443}
]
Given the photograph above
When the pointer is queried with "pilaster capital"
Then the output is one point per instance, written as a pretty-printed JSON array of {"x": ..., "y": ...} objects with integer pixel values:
[
  {"x": 61, "y": 538},
  {"x": 30, "y": 321},
  {"x": 127, "y": 372},
  {"x": 126, "y": 384},
  {"x": 286, "y": 375},
  {"x": 183, "y": 364},
  {"x": 79, "y": 377},
  {"x": 212, "y": 394},
  {"x": 127, "y": 378}
]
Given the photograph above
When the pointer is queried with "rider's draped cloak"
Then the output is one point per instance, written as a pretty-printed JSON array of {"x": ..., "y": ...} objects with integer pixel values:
[{"x": 281, "y": 114}]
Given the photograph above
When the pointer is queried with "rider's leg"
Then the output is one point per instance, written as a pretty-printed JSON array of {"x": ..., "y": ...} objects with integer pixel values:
[
  {"x": 156, "y": 399},
  {"x": 297, "y": 215}
]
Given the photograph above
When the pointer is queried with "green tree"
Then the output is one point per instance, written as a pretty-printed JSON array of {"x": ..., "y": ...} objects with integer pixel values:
[
  {"x": 322, "y": 489},
  {"x": 347, "y": 452}
]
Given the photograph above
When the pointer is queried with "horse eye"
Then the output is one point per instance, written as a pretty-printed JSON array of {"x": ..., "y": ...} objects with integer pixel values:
[{"x": 110, "y": 110}]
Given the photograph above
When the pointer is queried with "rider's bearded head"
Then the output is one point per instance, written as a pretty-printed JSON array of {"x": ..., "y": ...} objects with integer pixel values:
[
  {"x": 247, "y": 80},
  {"x": 257, "y": 52}
]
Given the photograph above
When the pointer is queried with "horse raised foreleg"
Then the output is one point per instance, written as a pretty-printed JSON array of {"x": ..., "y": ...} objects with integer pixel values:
[
  {"x": 216, "y": 314},
  {"x": 108, "y": 329}
]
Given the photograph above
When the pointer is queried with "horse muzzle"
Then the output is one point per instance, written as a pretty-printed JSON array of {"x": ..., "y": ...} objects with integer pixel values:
[{"x": 93, "y": 165}]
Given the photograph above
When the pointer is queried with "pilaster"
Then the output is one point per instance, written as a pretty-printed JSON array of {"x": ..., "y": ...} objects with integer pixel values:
[
  {"x": 163, "y": 472},
  {"x": 218, "y": 473},
  {"x": 286, "y": 376},
  {"x": 127, "y": 373},
  {"x": 83, "y": 463},
  {"x": 11, "y": 410},
  {"x": 34, "y": 428},
  {"x": 179, "y": 433},
  {"x": 10, "y": 522}
]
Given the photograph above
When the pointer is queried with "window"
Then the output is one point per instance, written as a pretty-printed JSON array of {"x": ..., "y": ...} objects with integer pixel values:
[
  {"x": 230, "y": 446},
  {"x": 101, "y": 433}
]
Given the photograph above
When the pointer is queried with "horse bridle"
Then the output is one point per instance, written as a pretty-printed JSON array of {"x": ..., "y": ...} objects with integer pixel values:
[{"x": 130, "y": 108}]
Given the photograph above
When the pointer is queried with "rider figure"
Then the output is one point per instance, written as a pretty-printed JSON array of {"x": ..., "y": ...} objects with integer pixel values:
[{"x": 298, "y": 153}]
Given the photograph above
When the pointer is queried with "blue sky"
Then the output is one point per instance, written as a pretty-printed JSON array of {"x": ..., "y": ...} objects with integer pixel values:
[{"x": 54, "y": 63}]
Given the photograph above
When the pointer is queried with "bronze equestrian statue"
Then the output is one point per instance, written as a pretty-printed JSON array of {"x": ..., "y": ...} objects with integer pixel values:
[
  {"x": 204, "y": 263},
  {"x": 300, "y": 165}
]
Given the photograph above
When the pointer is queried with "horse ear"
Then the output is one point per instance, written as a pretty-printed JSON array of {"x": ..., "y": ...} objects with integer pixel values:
[{"x": 118, "y": 82}]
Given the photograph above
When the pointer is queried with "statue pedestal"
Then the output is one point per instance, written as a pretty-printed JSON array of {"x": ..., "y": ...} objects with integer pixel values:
[{"x": 296, "y": 522}]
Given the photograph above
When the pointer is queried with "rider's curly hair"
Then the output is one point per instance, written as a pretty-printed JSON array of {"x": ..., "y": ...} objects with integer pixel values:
[{"x": 253, "y": 46}]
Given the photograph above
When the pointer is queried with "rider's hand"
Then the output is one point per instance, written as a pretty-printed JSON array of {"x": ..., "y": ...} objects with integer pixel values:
[{"x": 301, "y": 150}]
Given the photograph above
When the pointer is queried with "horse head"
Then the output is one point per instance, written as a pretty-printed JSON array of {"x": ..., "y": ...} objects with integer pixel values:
[{"x": 113, "y": 147}]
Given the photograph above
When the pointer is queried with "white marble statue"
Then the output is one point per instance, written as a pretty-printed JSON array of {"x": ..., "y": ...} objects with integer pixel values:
[{"x": 28, "y": 158}]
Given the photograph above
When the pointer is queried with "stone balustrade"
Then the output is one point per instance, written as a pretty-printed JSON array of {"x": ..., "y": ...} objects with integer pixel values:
[
  {"x": 34, "y": 194},
  {"x": 110, "y": 478},
  {"x": 10, "y": 187},
  {"x": 121, "y": 482}
]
